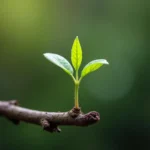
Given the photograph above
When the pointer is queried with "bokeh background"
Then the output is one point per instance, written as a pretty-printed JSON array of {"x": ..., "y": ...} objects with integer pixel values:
[{"x": 116, "y": 30}]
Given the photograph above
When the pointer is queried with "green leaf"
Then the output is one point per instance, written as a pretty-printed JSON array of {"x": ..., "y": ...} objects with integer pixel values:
[
  {"x": 60, "y": 61},
  {"x": 76, "y": 54},
  {"x": 92, "y": 66}
]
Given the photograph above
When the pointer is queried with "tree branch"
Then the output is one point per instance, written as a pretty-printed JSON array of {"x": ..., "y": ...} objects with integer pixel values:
[{"x": 48, "y": 120}]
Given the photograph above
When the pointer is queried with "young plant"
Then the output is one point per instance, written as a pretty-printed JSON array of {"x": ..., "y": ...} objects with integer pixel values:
[{"x": 76, "y": 59}]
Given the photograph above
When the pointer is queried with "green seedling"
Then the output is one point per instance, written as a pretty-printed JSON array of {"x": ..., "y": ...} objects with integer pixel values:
[{"x": 76, "y": 59}]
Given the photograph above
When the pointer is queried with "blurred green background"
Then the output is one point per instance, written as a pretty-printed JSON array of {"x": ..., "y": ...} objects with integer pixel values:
[{"x": 115, "y": 30}]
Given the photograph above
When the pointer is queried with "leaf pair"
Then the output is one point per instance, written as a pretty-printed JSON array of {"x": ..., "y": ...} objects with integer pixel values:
[{"x": 76, "y": 58}]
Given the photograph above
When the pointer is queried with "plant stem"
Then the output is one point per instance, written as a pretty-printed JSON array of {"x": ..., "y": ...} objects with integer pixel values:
[
  {"x": 73, "y": 78},
  {"x": 76, "y": 91},
  {"x": 77, "y": 75},
  {"x": 76, "y": 95}
]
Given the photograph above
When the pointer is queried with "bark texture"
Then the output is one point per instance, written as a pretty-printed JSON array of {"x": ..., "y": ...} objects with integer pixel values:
[{"x": 48, "y": 120}]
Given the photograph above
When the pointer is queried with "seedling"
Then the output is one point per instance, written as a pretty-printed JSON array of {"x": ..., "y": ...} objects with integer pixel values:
[{"x": 76, "y": 59}]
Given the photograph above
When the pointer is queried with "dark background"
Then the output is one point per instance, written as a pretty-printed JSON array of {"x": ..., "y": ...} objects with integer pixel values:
[{"x": 116, "y": 30}]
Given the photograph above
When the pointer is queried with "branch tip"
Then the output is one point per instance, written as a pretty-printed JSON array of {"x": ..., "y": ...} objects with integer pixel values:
[{"x": 92, "y": 117}]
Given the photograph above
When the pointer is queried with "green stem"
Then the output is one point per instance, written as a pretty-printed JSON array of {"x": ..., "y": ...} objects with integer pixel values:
[
  {"x": 76, "y": 95},
  {"x": 73, "y": 78},
  {"x": 77, "y": 75},
  {"x": 76, "y": 91},
  {"x": 80, "y": 80}
]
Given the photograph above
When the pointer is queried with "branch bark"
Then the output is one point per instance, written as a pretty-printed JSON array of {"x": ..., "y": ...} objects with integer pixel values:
[{"x": 48, "y": 120}]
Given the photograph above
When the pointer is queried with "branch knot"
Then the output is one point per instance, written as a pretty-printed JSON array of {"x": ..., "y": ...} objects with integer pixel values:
[{"x": 51, "y": 127}]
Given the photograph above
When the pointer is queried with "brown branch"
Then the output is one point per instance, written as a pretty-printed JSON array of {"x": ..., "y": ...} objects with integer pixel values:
[{"x": 48, "y": 120}]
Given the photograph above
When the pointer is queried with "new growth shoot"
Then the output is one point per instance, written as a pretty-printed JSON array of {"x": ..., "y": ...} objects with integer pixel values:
[{"x": 76, "y": 59}]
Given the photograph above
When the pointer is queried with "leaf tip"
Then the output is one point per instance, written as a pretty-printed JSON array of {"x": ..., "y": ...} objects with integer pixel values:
[
  {"x": 45, "y": 54},
  {"x": 106, "y": 62}
]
